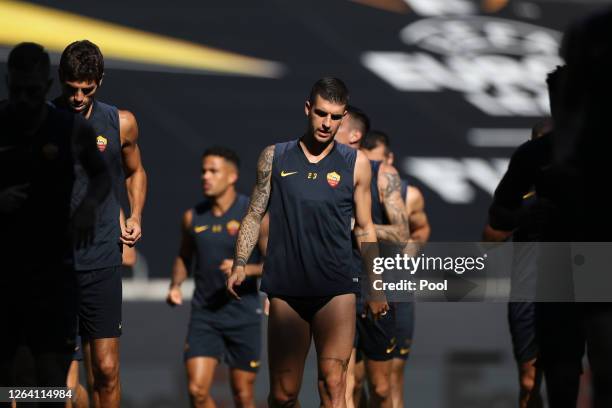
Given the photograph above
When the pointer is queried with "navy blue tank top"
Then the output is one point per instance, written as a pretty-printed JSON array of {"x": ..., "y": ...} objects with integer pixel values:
[
  {"x": 311, "y": 204},
  {"x": 379, "y": 217},
  {"x": 404, "y": 190},
  {"x": 105, "y": 251},
  {"x": 215, "y": 239}
]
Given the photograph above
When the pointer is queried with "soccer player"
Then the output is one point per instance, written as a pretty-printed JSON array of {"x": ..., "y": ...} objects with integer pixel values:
[
  {"x": 312, "y": 186},
  {"x": 376, "y": 338},
  {"x": 81, "y": 73},
  {"x": 516, "y": 213},
  {"x": 40, "y": 148},
  {"x": 376, "y": 146},
  {"x": 220, "y": 326}
]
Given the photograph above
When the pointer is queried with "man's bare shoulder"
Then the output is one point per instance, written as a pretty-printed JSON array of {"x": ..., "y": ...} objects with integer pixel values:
[{"x": 128, "y": 126}]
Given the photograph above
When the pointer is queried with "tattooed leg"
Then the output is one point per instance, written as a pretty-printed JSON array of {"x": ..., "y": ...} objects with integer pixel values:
[{"x": 333, "y": 330}]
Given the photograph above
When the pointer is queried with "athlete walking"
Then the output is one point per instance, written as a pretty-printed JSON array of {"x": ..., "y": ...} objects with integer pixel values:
[
  {"x": 221, "y": 327},
  {"x": 81, "y": 73},
  {"x": 312, "y": 186},
  {"x": 376, "y": 338}
]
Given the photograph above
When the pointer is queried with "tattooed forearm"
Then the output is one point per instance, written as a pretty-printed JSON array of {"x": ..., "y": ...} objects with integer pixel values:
[
  {"x": 359, "y": 233},
  {"x": 389, "y": 233},
  {"x": 249, "y": 229}
]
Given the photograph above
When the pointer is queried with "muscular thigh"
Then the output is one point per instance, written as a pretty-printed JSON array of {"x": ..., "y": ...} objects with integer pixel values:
[
  {"x": 333, "y": 328},
  {"x": 286, "y": 357},
  {"x": 201, "y": 371}
]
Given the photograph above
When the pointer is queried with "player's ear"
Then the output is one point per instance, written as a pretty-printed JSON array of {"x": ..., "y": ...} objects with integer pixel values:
[
  {"x": 390, "y": 159},
  {"x": 307, "y": 107},
  {"x": 233, "y": 177}
]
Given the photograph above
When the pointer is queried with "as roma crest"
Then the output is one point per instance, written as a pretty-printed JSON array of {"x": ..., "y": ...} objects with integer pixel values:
[
  {"x": 333, "y": 179},
  {"x": 101, "y": 142},
  {"x": 232, "y": 227}
]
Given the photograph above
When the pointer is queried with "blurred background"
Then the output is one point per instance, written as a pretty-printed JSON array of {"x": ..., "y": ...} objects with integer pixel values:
[{"x": 457, "y": 85}]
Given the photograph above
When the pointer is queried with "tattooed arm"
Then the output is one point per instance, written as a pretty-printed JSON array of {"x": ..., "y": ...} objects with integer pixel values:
[
  {"x": 390, "y": 186},
  {"x": 249, "y": 228},
  {"x": 364, "y": 230}
]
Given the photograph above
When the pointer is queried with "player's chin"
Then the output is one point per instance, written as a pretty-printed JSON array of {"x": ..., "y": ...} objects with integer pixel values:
[{"x": 323, "y": 137}]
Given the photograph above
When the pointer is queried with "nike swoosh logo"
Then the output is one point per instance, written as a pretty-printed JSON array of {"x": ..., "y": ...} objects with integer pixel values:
[
  {"x": 200, "y": 228},
  {"x": 283, "y": 174},
  {"x": 404, "y": 351},
  {"x": 390, "y": 349}
]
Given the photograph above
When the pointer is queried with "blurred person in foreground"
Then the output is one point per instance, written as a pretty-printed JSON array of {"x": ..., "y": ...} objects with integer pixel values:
[
  {"x": 579, "y": 175},
  {"x": 41, "y": 149}
]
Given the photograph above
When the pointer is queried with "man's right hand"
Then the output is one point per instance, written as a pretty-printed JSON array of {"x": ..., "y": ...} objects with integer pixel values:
[
  {"x": 12, "y": 198},
  {"x": 378, "y": 308},
  {"x": 175, "y": 296},
  {"x": 235, "y": 279}
]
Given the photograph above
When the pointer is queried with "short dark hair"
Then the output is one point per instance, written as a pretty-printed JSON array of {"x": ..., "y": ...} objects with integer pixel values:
[
  {"x": 360, "y": 117},
  {"x": 29, "y": 57},
  {"x": 82, "y": 61},
  {"x": 373, "y": 139},
  {"x": 224, "y": 152},
  {"x": 331, "y": 89}
]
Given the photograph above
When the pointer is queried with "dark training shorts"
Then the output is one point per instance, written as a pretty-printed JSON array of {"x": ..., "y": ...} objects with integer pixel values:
[
  {"x": 100, "y": 294},
  {"x": 375, "y": 339},
  {"x": 233, "y": 340},
  {"x": 308, "y": 306},
  {"x": 521, "y": 317},
  {"x": 78, "y": 350},
  {"x": 404, "y": 329}
]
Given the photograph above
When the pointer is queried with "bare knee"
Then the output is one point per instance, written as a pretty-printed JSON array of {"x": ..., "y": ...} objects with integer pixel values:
[
  {"x": 527, "y": 377},
  {"x": 381, "y": 388},
  {"x": 198, "y": 392},
  {"x": 243, "y": 396},
  {"x": 527, "y": 382},
  {"x": 283, "y": 399},
  {"x": 284, "y": 394},
  {"x": 107, "y": 371},
  {"x": 334, "y": 383}
]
